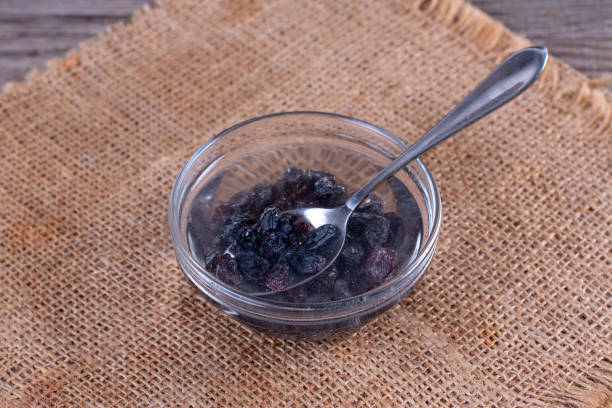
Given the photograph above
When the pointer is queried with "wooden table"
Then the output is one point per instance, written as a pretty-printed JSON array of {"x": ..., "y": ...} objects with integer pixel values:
[{"x": 32, "y": 31}]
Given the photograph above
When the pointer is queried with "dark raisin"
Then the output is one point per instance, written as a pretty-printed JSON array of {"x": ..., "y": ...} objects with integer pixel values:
[
  {"x": 372, "y": 204},
  {"x": 380, "y": 264},
  {"x": 269, "y": 220},
  {"x": 377, "y": 232},
  {"x": 263, "y": 196},
  {"x": 302, "y": 227},
  {"x": 341, "y": 289},
  {"x": 357, "y": 224},
  {"x": 371, "y": 228},
  {"x": 324, "y": 187},
  {"x": 306, "y": 262},
  {"x": 285, "y": 223},
  {"x": 278, "y": 277},
  {"x": 226, "y": 269},
  {"x": 311, "y": 264},
  {"x": 232, "y": 227},
  {"x": 320, "y": 238},
  {"x": 338, "y": 196},
  {"x": 273, "y": 244},
  {"x": 293, "y": 180},
  {"x": 299, "y": 233},
  {"x": 246, "y": 239},
  {"x": 352, "y": 255},
  {"x": 324, "y": 283},
  {"x": 340, "y": 266},
  {"x": 313, "y": 175},
  {"x": 252, "y": 266}
]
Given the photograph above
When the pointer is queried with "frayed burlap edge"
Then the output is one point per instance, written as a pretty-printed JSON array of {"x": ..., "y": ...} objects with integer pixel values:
[
  {"x": 593, "y": 389},
  {"x": 586, "y": 98}
]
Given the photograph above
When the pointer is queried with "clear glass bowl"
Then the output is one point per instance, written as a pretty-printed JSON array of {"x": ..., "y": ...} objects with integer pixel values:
[{"x": 259, "y": 150}]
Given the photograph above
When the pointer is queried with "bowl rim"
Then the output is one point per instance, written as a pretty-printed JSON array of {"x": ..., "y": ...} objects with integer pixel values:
[{"x": 181, "y": 251}]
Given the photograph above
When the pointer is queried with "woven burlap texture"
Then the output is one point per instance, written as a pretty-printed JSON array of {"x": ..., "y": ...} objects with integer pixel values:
[{"x": 94, "y": 310}]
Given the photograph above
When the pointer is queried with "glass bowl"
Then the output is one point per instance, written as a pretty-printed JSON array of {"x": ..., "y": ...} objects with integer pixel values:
[{"x": 259, "y": 150}]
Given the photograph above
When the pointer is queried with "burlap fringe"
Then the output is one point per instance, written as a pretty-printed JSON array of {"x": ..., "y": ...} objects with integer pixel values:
[
  {"x": 591, "y": 390},
  {"x": 587, "y": 97}
]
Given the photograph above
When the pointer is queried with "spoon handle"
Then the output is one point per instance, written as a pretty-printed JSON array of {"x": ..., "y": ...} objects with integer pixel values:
[{"x": 507, "y": 81}]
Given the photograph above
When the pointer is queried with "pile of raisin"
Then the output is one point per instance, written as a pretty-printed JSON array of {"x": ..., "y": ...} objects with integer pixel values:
[{"x": 258, "y": 248}]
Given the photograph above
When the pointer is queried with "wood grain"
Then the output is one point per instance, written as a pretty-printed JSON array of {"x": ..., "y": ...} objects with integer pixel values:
[
  {"x": 576, "y": 31},
  {"x": 31, "y": 31}
]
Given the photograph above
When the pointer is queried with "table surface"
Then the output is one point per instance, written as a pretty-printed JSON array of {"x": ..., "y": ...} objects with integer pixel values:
[{"x": 32, "y": 31}]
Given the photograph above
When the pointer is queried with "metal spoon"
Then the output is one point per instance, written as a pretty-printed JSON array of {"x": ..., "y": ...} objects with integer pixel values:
[{"x": 507, "y": 81}]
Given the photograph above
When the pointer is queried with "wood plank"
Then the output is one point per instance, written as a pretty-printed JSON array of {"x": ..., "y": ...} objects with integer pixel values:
[
  {"x": 117, "y": 8},
  {"x": 577, "y": 31},
  {"x": 32, "y": 32}
]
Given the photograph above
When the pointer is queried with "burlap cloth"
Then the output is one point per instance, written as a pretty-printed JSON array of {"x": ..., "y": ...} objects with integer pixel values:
[{"x": 515, "y": 310}]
